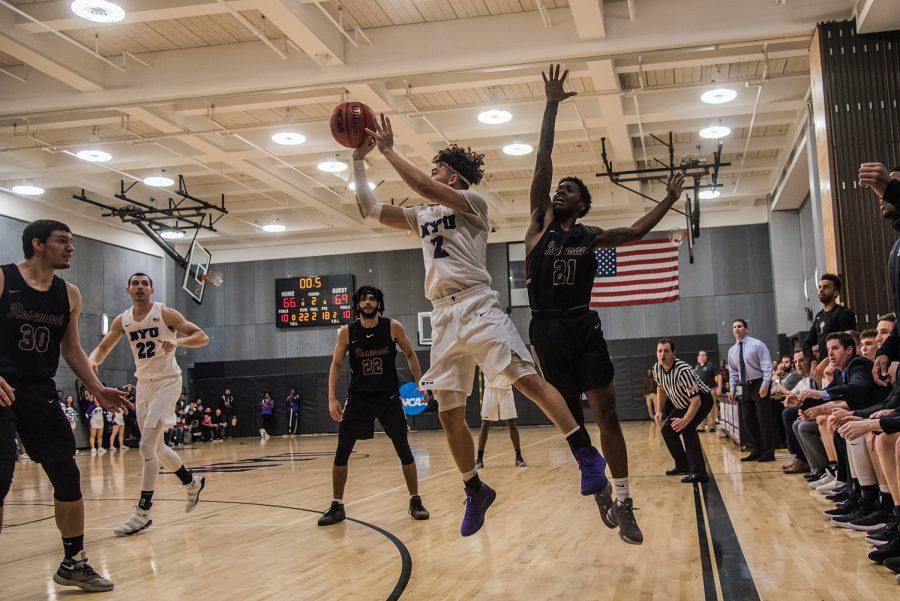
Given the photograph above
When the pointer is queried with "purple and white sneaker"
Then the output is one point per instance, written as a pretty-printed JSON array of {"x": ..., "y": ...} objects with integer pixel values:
[{"x": 477, "y": 505}]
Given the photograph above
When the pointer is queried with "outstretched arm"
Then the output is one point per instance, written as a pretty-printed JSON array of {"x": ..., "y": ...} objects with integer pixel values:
[
  {"x": 369, "y": 207},
  {"x": 621, "y": 235},
  {"x": 543, "y": 168},
  {"x": 421, "y": 183},
  {"x": 106, "y": 346}
]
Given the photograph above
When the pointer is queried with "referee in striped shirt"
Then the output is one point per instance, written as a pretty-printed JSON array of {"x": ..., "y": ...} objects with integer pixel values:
[{"x": 687, "y": 402}]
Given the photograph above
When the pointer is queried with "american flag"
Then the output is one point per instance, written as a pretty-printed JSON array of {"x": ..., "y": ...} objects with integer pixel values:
[{"x": 638, "y": 273}]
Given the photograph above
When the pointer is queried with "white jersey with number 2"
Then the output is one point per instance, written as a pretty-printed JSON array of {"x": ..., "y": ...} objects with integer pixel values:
[
  {"x": 454, "y": 245},
  {"x": 145, "y": 339}
]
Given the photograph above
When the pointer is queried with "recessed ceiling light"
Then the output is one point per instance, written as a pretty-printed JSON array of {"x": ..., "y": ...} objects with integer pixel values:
[
  {"x": 494, "y": 116},
  {"x": 273, "y": 227},
  {"x": 159, "y": 181},
  {"x": 708, "y": 194},
  {"x": 288, "y": 138},
  {"x": 98, "y": 11},
  {"x": 332, "y": 166},
  {"x": 716, "y": 131},
  {"x": 352, "y": 186},
  {"x": 172, "y": 234},
  {"x": 94, "y": 156},
  {"x": 517, "y": 149},
  {"x": 28, "y": 190},
  {"x": 718, "y": 96}
]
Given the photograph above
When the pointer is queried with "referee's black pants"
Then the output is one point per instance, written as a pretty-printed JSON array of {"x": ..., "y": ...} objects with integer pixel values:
[
  {"x": 684, "y": 446},
  {"x": 757, "y": 421}
]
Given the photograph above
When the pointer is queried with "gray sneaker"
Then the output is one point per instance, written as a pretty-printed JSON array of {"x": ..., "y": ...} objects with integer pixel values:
[
  {"x": 622, "y": 514},
  {"x": 604, "y": 504},
  {"x": 77, "y": 572}
]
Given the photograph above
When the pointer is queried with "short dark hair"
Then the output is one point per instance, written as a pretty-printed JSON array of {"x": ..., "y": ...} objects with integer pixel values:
[
  {"x": 894, "y": 169},
  {"x": 465, "y": 161},
  {"x": 834, "y": 279},
  {"x": 870, "y": 333},
  {"x": 365, "y": 290},
  {"x": 668, "y": 341},
  {"x": 40, "y": 229},
  {"x": 742, "y": 321},
  {"x": 143, "y": 274},
  {"x": 845, "y": 339},
  {"x": 891, "y": 317},
  {"x": 582, "y": 189}
]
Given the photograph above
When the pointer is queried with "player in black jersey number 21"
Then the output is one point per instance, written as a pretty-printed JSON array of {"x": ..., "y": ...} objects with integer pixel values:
[
  {"x": 371, "y": 342},
  {"x": 38, "y": 323},
  {"x": 565, "y": 333}
]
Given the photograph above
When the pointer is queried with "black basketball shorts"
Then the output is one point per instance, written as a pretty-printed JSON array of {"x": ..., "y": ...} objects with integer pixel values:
[
  {"x": 363, "y": 408},
  {"x": 573, "y": 355},
  {"x": 39, "y": 420}
]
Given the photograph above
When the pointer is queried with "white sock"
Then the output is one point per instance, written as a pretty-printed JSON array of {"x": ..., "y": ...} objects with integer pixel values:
[
  {"x": 573, "y": 431},
  {"x": 621, "y": 488},
  {"x": 469, "y": 475},
  {"x": 339, "y": 501},
  {"x": 884, "y": 488}
]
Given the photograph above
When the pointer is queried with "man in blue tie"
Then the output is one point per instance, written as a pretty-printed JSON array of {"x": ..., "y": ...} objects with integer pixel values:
[{"x": 750, "y": 365}]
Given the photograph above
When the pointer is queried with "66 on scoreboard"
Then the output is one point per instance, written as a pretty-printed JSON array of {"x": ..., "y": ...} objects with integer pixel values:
[{"x": 314, "y": 300}]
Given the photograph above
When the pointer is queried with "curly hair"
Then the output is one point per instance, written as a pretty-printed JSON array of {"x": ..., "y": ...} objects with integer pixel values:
[
  {"x": 583, "y": 189},
  {"x": 465, "y": 161},
  {"x": 364, "y": 291}
]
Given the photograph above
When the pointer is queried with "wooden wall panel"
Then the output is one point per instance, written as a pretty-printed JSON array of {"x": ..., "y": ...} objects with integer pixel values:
[{"x": 855, "y": 90}]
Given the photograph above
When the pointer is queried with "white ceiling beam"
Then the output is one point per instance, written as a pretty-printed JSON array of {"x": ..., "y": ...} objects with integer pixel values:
[
  {"x": 589, "y": 19},
  {"x": 714, "y": 57},
  {"x": 38, "y": 54},
  {"x": 877, "y": 15},
  {"x": 308, "y": 28}
]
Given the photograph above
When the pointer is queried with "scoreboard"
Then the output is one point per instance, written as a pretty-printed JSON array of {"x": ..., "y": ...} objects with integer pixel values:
[{"x": 314, "y": 300}]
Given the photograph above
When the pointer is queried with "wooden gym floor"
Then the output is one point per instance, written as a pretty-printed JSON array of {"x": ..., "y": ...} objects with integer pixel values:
[{"x": 751, "y": 533}]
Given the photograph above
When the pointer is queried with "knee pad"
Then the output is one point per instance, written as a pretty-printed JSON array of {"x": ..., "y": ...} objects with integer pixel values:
[
  {"x": 401, "y": 445},
  {"x": 450, "y": 399},
  {"x": 66, "y": 480},
  {"x": 346, "y": 440}
]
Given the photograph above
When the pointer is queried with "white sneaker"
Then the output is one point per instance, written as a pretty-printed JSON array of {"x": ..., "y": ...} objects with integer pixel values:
[
  {"x": 193, "y": 493},
  {"x": 123, "y": 449},
  {"x": 262, "y": 433},
  {"x": 93, "y": 451},
  {"x": 828, "y": 486},
  {"x": 139, "y": 520},
  {"x": 101, "y": 450},
  {"x": 823, "y": 480}
]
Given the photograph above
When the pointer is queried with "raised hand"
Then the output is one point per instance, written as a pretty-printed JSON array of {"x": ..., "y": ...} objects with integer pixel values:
[
  {"x": 674, "y": 184},
  {"x": 874, "y": 176},
  {"x": 364, "y": 149},
  {"x": 384, "y": 135},
  {"x": 553, "y": 86}
]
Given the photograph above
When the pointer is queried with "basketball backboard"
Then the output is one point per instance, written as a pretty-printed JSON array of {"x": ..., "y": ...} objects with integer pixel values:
[{"x": 195, "y": 272}]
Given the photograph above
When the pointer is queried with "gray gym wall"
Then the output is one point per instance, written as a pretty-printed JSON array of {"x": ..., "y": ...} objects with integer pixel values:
[
  {"x": 100, "y": 271},
  {"x": 731, "y": 277}
]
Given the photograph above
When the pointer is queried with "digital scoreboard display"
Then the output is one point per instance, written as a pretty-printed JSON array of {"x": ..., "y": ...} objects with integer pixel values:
[{"x": 314, "y": 300}]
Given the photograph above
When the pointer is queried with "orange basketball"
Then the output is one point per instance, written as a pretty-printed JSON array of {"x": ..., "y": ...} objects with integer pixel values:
[{"x": 349, "y": 122}]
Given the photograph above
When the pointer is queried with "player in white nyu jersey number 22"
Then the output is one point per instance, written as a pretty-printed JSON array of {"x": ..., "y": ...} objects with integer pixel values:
[
  {"x": 469, "y": 326},
  {"x": 152, "y": 330}
]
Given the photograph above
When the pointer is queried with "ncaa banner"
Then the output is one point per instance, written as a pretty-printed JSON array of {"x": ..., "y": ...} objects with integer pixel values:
[{"x": 414, "y": 402}]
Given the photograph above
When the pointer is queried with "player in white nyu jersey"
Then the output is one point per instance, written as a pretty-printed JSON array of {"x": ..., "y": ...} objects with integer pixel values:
[
  {"x": 469, "y": 326},
  {"x": 152, "y": 331}
]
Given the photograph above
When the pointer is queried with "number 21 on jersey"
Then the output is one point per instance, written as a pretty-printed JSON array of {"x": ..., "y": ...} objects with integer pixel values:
[{"x": 564, "y": 272}]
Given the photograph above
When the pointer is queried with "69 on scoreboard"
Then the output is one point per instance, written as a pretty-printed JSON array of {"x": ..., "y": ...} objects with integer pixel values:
[{"x": 314, "y": 300}]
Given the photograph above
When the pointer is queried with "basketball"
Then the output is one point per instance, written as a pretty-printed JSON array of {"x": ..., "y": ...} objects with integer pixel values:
[{"x": 349, "y": 121}]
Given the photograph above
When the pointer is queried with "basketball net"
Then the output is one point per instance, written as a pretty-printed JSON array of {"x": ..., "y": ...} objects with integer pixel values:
[
  {"x": 676, "y": 236},
  {"x": 213, "y": 277}
]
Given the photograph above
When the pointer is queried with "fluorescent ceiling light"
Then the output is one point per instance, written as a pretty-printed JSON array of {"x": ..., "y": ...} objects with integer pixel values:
[
  {"x": 159, "y": 181},
  {"x": 28, "y": 190},
  {"x": 352, "y": 186},
  {"x": 718, "y": 96},
  {"x": 716, "y": 131},
  {"x": 708, "y": 194},
  {"x": 332, "y": 166},
  {"x": 98, "y": 11},
  {"x": 288, "y": 138},
  {"x": 494, "y": 116},
  {"x": 518, "y": 149},
  {"x": 94, "y": 156},
  {"x": 172, "y": 234},
  {"x": 273, "y": 227}
]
